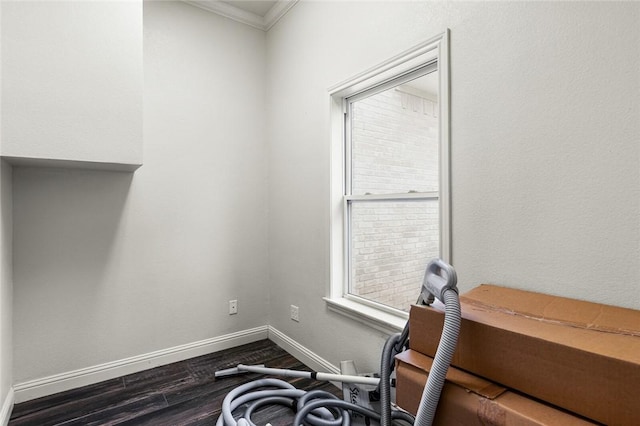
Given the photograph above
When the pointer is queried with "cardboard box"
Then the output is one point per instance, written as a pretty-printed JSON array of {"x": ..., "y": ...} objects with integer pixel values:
[
  {"x": 581, "y": 356},
  {"x": 468, "y": 400}
]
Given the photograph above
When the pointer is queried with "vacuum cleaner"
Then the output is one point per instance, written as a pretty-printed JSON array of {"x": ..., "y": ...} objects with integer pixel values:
[{"x": 320, "y": 408}]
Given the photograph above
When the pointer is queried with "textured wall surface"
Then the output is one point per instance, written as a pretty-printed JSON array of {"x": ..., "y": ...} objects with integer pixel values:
[
  {"x": 545, "y": 156},
  {"x": 6, "y": 283},
  {"x": 6, "y": 274},
  {"x": 111, "y": 265},
  {"x": 72, "y": 85}
]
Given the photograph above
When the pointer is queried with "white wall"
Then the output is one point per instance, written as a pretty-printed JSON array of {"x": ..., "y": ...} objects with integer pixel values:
[
  {"x": 73, "y": 80},
  {"x": 6, "y": 284},
  {"x": 545, "y": 154},
  {"x": 112, "y": 265},
  {"x": 6, "y": 288},
  {"x": 6, "y": 292}
]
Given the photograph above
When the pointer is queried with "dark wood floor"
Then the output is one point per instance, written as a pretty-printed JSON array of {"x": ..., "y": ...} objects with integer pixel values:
[{"x": 183, "y": 393}]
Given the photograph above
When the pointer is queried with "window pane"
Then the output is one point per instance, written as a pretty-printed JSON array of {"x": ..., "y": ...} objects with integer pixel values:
[
  {"x": 391, "y": 244},
  {"x": 394, "y": 139}
]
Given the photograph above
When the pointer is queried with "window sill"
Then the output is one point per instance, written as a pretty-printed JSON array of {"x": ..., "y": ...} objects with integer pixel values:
[{"x": 382, "y": 321}]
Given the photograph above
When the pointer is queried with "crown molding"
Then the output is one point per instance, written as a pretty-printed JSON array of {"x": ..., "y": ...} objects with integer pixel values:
[
  {"x": 256, "y": 21},
  {"x": 276, "y": 12}
]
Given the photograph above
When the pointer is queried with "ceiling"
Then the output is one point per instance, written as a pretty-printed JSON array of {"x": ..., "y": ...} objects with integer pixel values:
[
  {"x": 261, "y": 14},
  {"x": 259, "y": 7}
]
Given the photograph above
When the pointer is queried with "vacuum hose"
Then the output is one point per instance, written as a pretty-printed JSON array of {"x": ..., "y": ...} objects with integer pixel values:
[
  {"x": 444, "y": 354},
  {"x": 319, "y": 408},
  {"x": 385, "y": 377}
]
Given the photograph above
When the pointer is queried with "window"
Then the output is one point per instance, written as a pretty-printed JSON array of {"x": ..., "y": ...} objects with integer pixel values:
[{"x": 390, "y": 182}]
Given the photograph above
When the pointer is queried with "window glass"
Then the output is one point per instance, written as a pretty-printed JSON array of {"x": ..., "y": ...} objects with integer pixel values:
[
  {"x": 393, "y": 208},
  {"x": 394, "y": 139},
  {"x": 391, "y": 244}
]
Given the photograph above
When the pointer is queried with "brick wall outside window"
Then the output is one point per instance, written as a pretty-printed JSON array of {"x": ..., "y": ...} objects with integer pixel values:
[{"x": 394, "y": 150}]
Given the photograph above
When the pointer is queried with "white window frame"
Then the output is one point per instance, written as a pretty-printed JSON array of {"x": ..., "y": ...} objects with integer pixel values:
[{"x": 433, "y": 50}]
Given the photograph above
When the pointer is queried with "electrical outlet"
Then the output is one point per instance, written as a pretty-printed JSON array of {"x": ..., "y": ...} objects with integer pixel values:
[
  {"x": 233, "y": 307},
  {"x": 294, "y": 313}
]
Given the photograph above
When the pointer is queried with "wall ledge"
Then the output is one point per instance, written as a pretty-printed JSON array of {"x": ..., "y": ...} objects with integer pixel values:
[{"x": 70, "y": 164}]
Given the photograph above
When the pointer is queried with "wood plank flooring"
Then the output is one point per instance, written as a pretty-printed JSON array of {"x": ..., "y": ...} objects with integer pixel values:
[{"x": 183, "y": 393}]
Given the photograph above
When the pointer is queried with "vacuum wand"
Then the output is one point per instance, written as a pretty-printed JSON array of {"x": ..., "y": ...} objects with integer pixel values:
[{"x": 343, "y": 378}]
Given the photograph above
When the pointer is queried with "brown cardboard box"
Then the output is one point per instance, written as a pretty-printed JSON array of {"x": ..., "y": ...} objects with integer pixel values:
[
  {"x": 581, "y": 356},
  {"x": 468, "y": 400}
]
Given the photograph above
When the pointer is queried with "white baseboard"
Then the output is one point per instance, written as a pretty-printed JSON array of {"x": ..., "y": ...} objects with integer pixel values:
[
  {"x": 308, "y": 357},
  {"x": 7, "y": 407},
  {"x": 74, "y": 379},
  {"x": 86, "y": 376}
]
